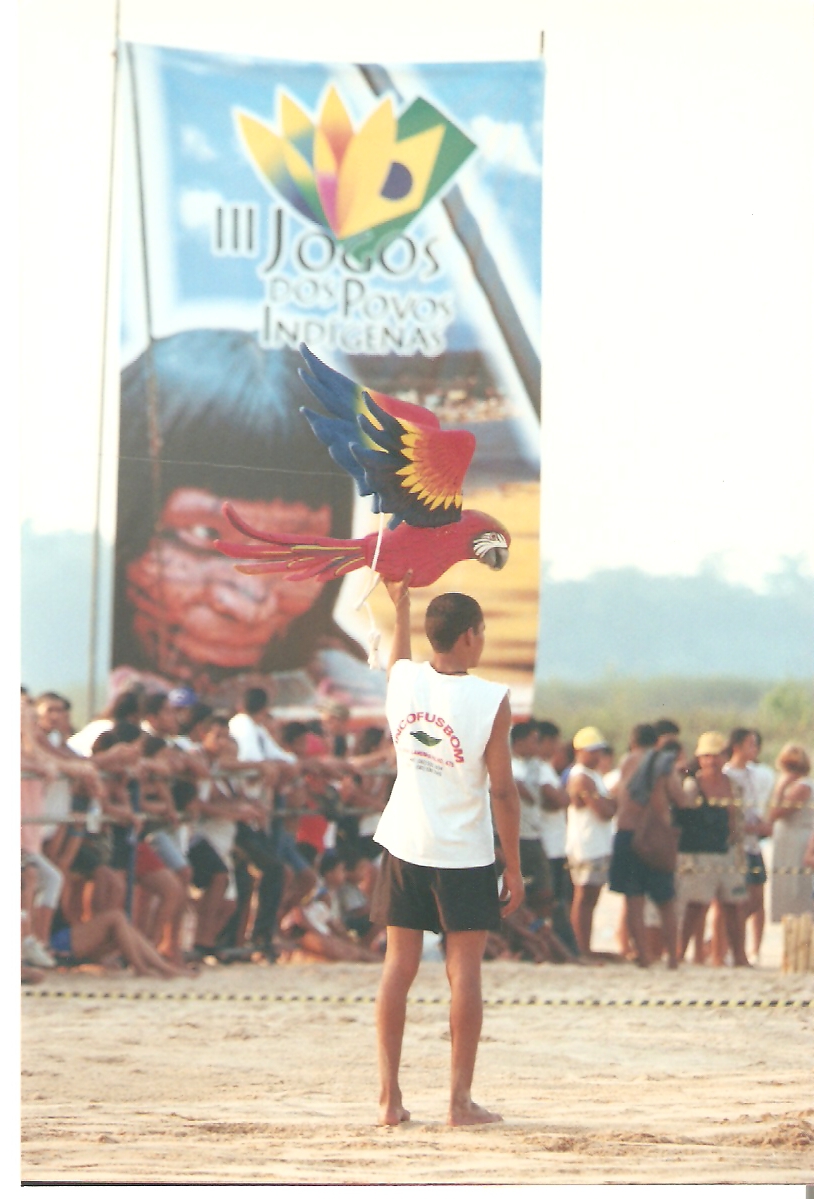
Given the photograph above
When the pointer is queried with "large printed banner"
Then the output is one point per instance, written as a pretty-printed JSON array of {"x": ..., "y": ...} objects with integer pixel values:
[{"x": 390, "y": 219}]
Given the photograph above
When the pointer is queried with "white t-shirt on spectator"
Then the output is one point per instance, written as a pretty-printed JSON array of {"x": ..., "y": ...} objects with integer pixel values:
[
  {"x": 82, "y": 742},
  {"x": 527, "y": 772},
  {"x": 255, "y": 743},
  {"x": 553, "y": 824}
]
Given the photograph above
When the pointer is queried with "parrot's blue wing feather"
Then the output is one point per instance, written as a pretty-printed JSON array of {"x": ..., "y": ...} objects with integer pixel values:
[
  {"x": 340, "y": 395},
  {"x": 339, "y": 432},
  {"x": 335, "y": 437}
]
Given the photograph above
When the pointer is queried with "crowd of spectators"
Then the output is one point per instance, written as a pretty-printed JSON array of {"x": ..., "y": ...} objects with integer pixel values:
[
  {"x": 717, "y": 806},
  {"x": 165, "y": 836}
]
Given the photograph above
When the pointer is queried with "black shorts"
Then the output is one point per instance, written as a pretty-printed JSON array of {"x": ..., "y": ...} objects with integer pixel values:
[
  {"x": 435, "y": 898},
  {"x": 630, "y": 876},
  {"x": 205, "y": 863},
  {"x": 755, "y": 870}
]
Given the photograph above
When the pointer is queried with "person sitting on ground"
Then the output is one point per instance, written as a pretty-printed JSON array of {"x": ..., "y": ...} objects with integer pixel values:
[
  {"x": 355, "y": 899},
  {"x": 318, "y": 926},
  {"x": 103, "y": 938},
  {"x": 529, "y": 934}
]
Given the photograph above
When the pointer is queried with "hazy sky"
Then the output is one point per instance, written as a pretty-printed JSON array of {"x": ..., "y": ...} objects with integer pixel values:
[{"x": 678, "y": 255}]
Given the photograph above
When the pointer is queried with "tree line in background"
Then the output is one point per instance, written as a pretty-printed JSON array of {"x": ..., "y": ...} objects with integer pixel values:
[{"x": 782, "y": 711}]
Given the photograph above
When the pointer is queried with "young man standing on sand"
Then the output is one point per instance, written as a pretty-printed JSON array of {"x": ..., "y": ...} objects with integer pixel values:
[{"x": 451, "y": 734}]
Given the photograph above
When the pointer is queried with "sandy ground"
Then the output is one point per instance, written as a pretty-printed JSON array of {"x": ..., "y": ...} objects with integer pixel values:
[{"x": 266, "y": 1074}]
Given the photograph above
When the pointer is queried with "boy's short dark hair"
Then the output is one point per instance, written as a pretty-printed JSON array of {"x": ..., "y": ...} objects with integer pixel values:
[
  {"x": 197, "y": 714},
  {"x": 448, "y": 617},
  {"x": 665, "y": 725},
  {"x": 736, "y": 738},
  {"x": 155, "y": 702},
  {"x": 293, "y": 730},
  {"x": 644, "y": 735},
  {"x": 523, "y": 729},
  {"x": 125, "y": 706},
  {"x": 329, "y": 861},
  {"x": 255, "y": 699},
  {"x": 547, "y": 728}
]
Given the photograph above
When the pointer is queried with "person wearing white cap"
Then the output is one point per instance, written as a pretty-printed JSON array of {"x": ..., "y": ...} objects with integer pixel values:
[{"x": 589, "y": 837}]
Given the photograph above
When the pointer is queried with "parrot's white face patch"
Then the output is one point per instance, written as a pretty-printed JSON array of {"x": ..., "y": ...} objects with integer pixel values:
[{"x": 488, "y": 541}]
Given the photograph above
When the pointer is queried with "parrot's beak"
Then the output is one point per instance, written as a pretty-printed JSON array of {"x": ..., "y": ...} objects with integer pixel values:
[
  {"x": 496, "y": 558},
  {"x": 492, "y": 550}
]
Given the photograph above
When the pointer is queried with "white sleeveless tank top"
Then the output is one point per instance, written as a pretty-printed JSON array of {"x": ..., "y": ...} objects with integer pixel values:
[
  {"x": 439, "y": 813},
  {"x": 588, "y": 837}
]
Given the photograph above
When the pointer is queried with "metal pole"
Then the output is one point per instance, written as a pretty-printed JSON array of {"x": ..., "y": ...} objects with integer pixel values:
[
  {"x": 95, "y": 551},
  {"x": 525, "y": 357}
]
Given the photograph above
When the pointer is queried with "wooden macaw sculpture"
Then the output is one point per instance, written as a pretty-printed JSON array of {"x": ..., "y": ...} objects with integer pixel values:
[{"x": 397, "y": 453}]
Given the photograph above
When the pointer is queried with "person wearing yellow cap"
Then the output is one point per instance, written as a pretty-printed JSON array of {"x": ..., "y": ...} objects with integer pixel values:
[
  {"x": 711, "y": 862},
  {"x": 589, "y": 836}
]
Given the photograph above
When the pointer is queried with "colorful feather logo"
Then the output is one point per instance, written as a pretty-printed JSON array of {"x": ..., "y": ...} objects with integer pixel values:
[
  {"x": 425, "y": 738},
  {"x": 363, "y": 185}
]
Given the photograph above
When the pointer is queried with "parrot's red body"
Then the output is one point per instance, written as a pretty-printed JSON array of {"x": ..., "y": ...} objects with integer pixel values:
[
  {"x": 429, "y": 553},
  {"x": 398, "y": 454}
]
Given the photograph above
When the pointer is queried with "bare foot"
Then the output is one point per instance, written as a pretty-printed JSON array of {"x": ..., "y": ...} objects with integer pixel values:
[
  {"x": 472, "y": 1113},
  {"x": 395, "y": 1114}
]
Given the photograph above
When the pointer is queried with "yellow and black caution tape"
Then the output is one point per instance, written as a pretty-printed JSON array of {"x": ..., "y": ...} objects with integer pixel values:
[
  {"x": 721, "y": 867},
  {"x": 530, "y": 1001}
]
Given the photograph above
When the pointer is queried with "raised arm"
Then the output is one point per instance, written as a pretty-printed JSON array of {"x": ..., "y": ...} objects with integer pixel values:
[
  {"x": 505, "y": 806},
  {"x": 584, "y": 793},
  {"x": 554, "y": 798},
  {"x": 399, "y": 593}
]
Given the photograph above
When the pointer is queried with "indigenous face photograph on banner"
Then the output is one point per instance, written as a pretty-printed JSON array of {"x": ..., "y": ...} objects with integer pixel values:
[{"x": 364, "y": 243}]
